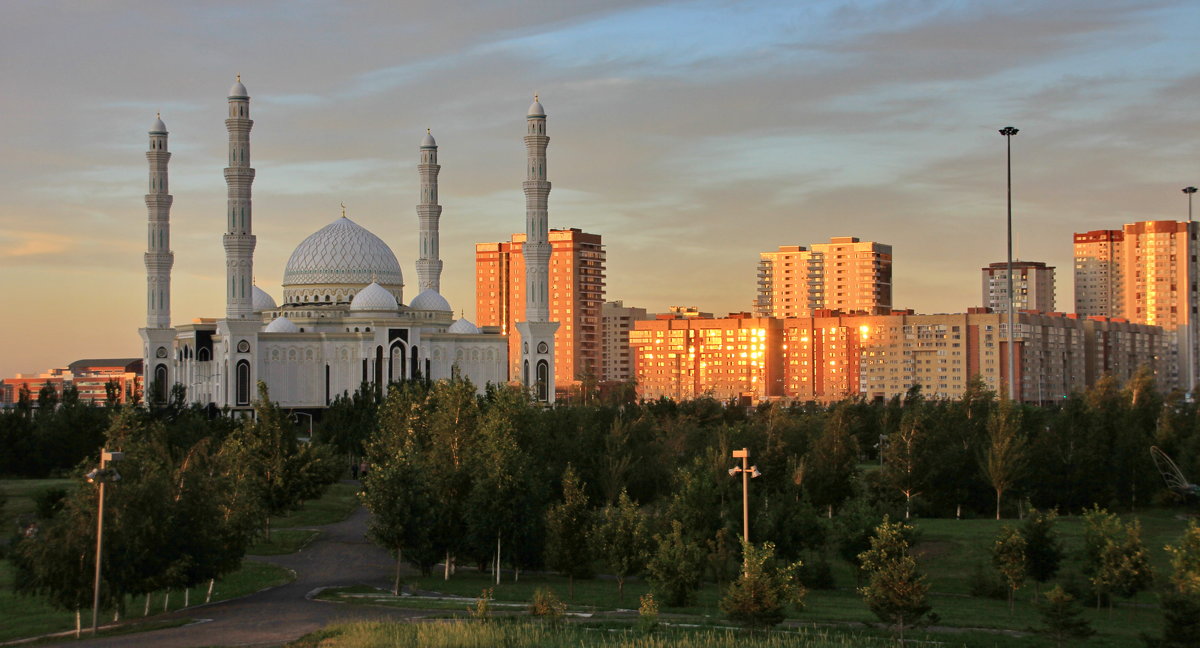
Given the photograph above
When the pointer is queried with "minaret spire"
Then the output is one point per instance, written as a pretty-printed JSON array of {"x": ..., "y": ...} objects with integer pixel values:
[
  {"x": 537, "y": 332},
  {"x": 239, "y": 237},
  {"x": 429, "y": 212},
  {"x": 159, "y": 258}
]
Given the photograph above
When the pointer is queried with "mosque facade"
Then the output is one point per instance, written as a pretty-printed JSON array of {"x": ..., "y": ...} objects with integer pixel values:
[{"x": 342, "y": 321}]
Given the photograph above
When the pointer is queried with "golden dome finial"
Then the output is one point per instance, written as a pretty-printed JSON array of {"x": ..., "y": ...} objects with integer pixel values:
[
  {"x": 239, "y": 78},
  {"x": 535, "y": 97},
  {"x": 343, "y": 209}
]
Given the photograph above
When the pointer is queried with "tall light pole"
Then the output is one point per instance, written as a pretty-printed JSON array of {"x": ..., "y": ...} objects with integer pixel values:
[
  {"x": 1189, "y": 277},
  {"x": 101, "y": 476},
  {"x": 748, "y": 472},
  {"x": 1008, "y": 132}
]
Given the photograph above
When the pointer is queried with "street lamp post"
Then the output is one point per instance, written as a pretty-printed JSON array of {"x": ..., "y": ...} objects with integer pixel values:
[
  {"x": 1008, "y": 132},
  {"x": 748, "y": 472},
  {"x": 101, "y": 476}
]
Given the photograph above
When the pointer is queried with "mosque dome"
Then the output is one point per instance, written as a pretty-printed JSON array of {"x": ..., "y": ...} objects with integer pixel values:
[
  {"x": 463, "y": 326},
  {"x": 282, "y": 325},
  {"x": 261, "y": 299},
  {"x": 374, "y": 298},
  {"x": 342, "y": 252},
  {"x": 237, "y": 89},
  {"x": 430, "y": 300},
  {"x": 535, "y": 108},
  {"x": 428, "y": 140},
  {"x": 158, "y": 126}
]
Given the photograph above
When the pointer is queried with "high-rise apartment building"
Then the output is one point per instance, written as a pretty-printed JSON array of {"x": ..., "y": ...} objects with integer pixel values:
[
  {"x": 616, "y": 357},
  {"x": 844, "y": 274},
  {"x": 576, "y": 295},
  {"x": 1098, "y": 273},
  {"x": 1033, "y": 286},
  {"x": 1145, "y": 272}
]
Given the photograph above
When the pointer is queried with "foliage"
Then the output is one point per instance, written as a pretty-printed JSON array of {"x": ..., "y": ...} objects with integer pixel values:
[
  {"x": 1043, "y": 548},
  {"x": 1003, "y": 456},
  {"x": 621, "y": 540},
  {"x": 1061, "y": 618},
  {"x": 647, "y": 613},
  {"x": 1123, "y": 566},
  {"x": 833, "y": 460},
  {"x": 896, "y": 590},
  {"x": 1181, "y": 602},
  {"x": 545, "y": 603},
  {"x": 483, "y": 604},
  {"x": 1009, "y": 557},
  {"x": 758, "y": 599},
  {"x": 675, "y": 568},
  {"x": 569, "y": 532}
]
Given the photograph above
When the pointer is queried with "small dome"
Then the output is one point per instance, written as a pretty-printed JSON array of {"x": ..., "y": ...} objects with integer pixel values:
[
  {"x": 281, "y": 324},
  {"x": 430, "y": 300},
  {"x": 158, "y": 126},
  {"x": 463, "y": 326},
  {"x": 261, "y": 299},
  {"x": 535, "y": 108},
  {"x": 374, "y": 298},
  {"x": 238, "y": 90},
  {"x": 428, "y": 141}
]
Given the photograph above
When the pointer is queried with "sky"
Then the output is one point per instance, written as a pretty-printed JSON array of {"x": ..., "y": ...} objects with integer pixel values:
[{"x": 691, "y": 135}]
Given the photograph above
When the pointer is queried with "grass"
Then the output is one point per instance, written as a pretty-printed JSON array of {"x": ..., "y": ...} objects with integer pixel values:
[
  {"x": 338, "y": 502},
  {"x": 22, "y": 616},
  {"x": 283, "y": 541},
  {"x": 20, "y": 494}
]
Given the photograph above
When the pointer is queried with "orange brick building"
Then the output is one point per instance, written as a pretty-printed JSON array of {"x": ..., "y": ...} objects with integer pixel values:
[{"x": 576, "y": 298}]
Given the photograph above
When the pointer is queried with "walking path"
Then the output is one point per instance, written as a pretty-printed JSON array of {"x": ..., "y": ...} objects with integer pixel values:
[{"x": 341, "y": 555}]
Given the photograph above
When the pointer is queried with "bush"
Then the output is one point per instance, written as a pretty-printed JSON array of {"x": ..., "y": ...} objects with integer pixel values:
[
  {"x": 674, "y": 569},
  {"x": 759, "y": 597},
  {"x": 483, "y": 605},
  {"x": 817, "y": 575},
  {"x": 1061, "y": 620},
  {"x": 546, "y": 604},
  {"x": 986, "y": 583},
  {"x": 49, "y": 502},
  {"x": 647, "y": 614}
]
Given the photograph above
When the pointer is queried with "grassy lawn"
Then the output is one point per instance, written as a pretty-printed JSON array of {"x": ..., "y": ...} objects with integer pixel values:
[
  {"x": 20, "y": 494},
  {"x": 22, "y": 616},
  {"x": 283, "y": 541},
  {"x": 338, "y": 502}
]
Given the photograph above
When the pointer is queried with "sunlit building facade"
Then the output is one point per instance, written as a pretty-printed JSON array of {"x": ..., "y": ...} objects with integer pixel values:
[
  {"x": 616, "y": 356},
  {"x": 845, "y": 274},
  {"x": 576, "y": 285},
  {"x": 1098, "y": 273},
  {"x": 1033, "y": 286}
]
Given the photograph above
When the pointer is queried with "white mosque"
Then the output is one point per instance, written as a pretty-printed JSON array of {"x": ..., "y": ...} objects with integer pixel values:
[{"x": 343, "y": 321}]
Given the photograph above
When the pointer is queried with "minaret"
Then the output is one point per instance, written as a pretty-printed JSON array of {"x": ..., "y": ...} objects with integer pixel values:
[
  {"x": 239, "y": 238},
  {"x": 158, "y": 338},
  {"x": 537, "y": 333},
  {"x": 429, "y": 264},
  {"x": 159, "y": 258}
]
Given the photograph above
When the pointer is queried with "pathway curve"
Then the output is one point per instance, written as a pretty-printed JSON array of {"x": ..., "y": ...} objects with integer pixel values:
[{"x": 340, "y": 555}]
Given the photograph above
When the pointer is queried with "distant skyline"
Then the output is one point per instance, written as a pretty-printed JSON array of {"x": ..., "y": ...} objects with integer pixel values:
[{"x": 690, "y": 135}]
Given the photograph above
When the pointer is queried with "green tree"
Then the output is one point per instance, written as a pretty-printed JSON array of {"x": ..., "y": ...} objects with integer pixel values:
[
  {"x": 568, "y": 532},
  {"x": 675, "y": 567},
  {"x": 1061, "y": 618},
  {"x": 621, "y": 540},
  {"x": 1124, "y": 567},
  {"x": 896, "y": 589},
  {"x": 1043, "y": 549},
  {"x": 1181, "y": 601},
  {"x": 1010, "y": 558},
  {"x": 833, "y": 460},
  {"x": 906, "y": 456},
  {"x": 760, "y": 596},
  {"x": 1004, "y": 453}
]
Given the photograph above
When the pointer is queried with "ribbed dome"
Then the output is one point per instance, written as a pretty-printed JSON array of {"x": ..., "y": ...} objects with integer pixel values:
[
  {"x": 262, "y": 300},
  {"x": 237, "y": 89},
  {"x": 374, "y": 298},
  {"x": 463, "y": 326},
  {"x": 430, "y": 300},
  {"x": 342, "y": 252},
  {"x": 282, "y": 324}
]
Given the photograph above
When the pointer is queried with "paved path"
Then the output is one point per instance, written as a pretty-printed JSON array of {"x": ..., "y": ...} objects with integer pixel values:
[{"x": 340, "y": 555}]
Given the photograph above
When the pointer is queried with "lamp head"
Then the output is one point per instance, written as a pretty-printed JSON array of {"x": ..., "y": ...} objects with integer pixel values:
[
  {"x": 754, "y": 472},
  {"x": 91, "y": 477},
  {"x": 1189, "y": 190},
  {"x": 1008, "y": 131},
  {"x": 735, "y": 470}
]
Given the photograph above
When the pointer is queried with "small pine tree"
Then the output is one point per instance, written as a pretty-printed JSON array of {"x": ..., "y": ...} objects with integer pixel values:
[
  {"x": 1061, "y": 620},
  {"x": 896, "y": 589},
  {"x": 674, "y": 569},
  {"x": 1043, "y": 549},
  {"x": 758, "y": 599}
]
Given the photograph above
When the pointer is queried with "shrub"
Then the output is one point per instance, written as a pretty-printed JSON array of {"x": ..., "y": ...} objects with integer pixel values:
[
  {"x": 647, "y": 614},
  {"x": 1060, "y": 618},
  {"x": 759, "y": 597},
  {"x": 987, "y": 583},
  {"x": 483, "y": 605},
  {"x": 546, "y": 604},
  {"x": 675, "y": 568},
  {"x": 817, "y": 575}
]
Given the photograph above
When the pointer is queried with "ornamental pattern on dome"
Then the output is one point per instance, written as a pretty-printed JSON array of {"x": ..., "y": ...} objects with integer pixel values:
[
  {"x": 342, "y": 252},
  {"x": 374, "y": 298},
  {"x": 463, "y": 326},
  {"x": 430, "y": 300},
  {"x": 262, "y": 299}
]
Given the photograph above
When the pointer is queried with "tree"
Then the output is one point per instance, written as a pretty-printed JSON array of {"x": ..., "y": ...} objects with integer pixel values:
[
  {"x": 568, "y": 532},
  {"x": 896, "y": 589},
  {"x": 1061, "y": 620},
  {"x": 1181, "y": 601},
  {"x": 621, "y": 540},
  {"x": 1009, "y": 557},
  {"x": 1004, "y": 454},
  {"x": 675, "y": 567},
  {"x": 906, "y": 457},
  {"x": 758, "y": 599},
  {"x": 833, "y": 461},
  {"x": 1043, "y": 549},
  {"x": 1124, "y": 566}
]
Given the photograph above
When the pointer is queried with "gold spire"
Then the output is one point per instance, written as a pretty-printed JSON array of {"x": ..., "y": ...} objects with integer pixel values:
[
  {"x": 343, "y": 209},
  {"x": 535, "y": 97},
  {"x": 427, "y": 132},
  {"x": 157, "y": 115},
  {"x": 239, "y": 78}
]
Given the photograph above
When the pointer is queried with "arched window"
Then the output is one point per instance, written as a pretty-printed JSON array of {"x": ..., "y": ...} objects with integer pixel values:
[
  {"x": 525, "y": 374},
  {"x": 414, "y": 370},
  {"x": 243, "y": 382},
  {"x": 543, "y": 380},
  {"x": 160, "y": 383}
]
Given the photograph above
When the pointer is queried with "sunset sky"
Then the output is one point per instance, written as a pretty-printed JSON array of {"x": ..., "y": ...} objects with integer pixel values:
[{"x": 690, "y": 135}]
